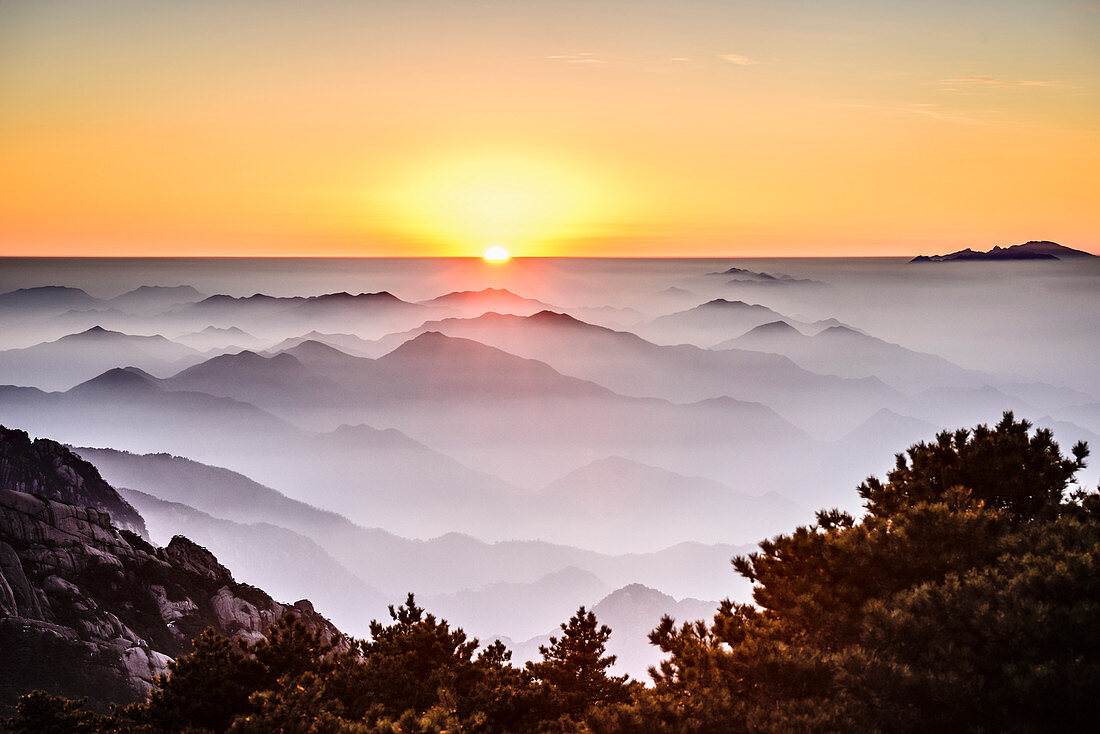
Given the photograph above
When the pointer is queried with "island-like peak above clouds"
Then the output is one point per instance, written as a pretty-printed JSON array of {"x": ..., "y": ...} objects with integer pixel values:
[
  {"x": 741, "y": 276},
  {"x": 340, "y": 299},
  {"x": 221, "y": 338},
  {"x": 722, "y": 303},
  {"x": 156, "y": 297},
  {"x": 230, "y": 331},
  {"x": 47, "y": 297},
  {"x": 381, "y": 296},
  {"x": 1033, "y": 250},
  {"x": 254, "y": 298}
]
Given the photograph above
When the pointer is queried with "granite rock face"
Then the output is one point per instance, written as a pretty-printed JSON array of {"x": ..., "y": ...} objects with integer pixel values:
[
  {"x": 47, "y": 469},
  {"x": 88, "y": 608}
]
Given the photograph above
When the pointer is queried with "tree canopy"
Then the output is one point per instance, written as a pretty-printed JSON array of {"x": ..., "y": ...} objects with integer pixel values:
[{"x": 965, "y": 599}]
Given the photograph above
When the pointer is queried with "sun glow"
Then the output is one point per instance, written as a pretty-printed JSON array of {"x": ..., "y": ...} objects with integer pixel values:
[
  {"x": 496, "y": 254},
  {"x": 520, "y": 203}
]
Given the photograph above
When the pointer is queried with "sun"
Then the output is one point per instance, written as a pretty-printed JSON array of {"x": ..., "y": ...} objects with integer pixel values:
[
  {"x": 513, "y": 201},
  {"x": 496, "y": 254}
]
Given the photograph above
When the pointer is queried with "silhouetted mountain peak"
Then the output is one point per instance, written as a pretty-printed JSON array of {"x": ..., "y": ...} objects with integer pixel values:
[
  {"x": 774, "y": 328},
  {"x": 474, "y": 295},
  {"x": 886, "y": 422},
  {"x": 845, "y": 331},
  {"x": 635, "y": 598},
  {"x": 221, "y": 298},
  {"x": 224, "y": 330},
  {"x": 1032, "y": 250},
  {"x": 119, "y": 378},
  {"x": 434, "y": 343},
  {"x": 313, "y": 349},
  {"x": 726, "y": 304},
  {"x": 243, "y": 357},
  {"x": 487, "y": 299},
  {"x": 100, "y": 334},
  {"x": 47, "y": 295},
  {"x": 547, "y": 316},
  {"x": 173, "y": 289},
  {"x": 243, "y": 360},
  {"x": 154, "y": 295},
  {"x": 429, "y": 339},
  {"x": 380, "y": 296}
]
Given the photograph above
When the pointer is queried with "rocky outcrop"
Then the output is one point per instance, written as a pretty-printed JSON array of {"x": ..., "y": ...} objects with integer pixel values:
[
  {"x": 47, "y": 469},
  {"x": 91, "y": 609}
]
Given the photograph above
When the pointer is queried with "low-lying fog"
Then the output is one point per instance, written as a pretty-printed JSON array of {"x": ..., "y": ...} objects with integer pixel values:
[{"x": 350, "y": 430}]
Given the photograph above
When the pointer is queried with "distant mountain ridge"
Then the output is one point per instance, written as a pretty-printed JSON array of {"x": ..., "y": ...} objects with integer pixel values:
[
  {"x": 1033, "y": 250},
  {"x": 442, "y": 565},
  {"x": 843, "y": 351}
]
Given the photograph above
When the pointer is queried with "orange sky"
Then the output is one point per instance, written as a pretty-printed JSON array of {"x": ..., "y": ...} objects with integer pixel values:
[{"x": 421, "y": 127}]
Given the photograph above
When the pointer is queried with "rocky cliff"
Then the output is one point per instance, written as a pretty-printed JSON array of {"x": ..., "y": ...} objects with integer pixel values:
[
  {"x": 91, "y": 609},
  {"x": 48, "y": 469}
]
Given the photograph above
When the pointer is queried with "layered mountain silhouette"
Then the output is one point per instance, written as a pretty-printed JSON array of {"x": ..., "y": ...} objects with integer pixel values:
[
  {"x": 65, "y": 362},
  {"x": 475, "y": 582},
  {"x": 396, "y": 565},
  {"x": 504, "y": 458},
  {"x": 148, "y": 299},
  {"x": 637, "y": 506},
  {"x": 228, "y": 338},
  {"x": 368, "y": 315},
  {"x": 381, "y": 476},
  {"x": 45, "y": 300},
  {"x": 520, "y": 610},
  {"x": 498, "y": 300},
  {"x": 708, "y": 323},
  {"x": 629, "y": 365},
  {"x": 523, "y": 420},
  {"x": 347, "y": 343},
  {"x": 284, "y": 563},
  {"x": 839, "y": 350},
  {"x": 742, "y": 277}
]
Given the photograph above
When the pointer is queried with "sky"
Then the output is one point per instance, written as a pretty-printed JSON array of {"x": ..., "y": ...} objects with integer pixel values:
[{"x": 579, "y": 128}]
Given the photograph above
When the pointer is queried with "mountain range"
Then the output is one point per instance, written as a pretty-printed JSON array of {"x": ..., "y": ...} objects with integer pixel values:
[{"x": 842, "y": 351}]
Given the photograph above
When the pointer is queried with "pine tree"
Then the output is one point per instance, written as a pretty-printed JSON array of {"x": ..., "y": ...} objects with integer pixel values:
[
  {"x": 575, "y": 668},
  {"x": 964, "y": 600}
]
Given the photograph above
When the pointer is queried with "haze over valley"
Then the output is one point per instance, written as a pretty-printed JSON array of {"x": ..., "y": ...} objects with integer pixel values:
[{"x": 510, "y": 441}]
